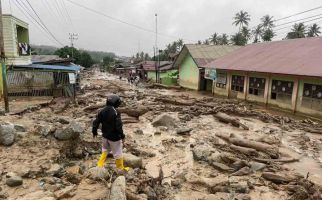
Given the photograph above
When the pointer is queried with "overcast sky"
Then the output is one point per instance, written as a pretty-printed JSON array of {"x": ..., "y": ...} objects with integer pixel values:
[{"x": 191, "y": 20}]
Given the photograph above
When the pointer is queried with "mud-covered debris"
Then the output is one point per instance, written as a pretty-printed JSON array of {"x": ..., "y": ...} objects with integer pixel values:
[
  {"x": 242, "y": 172},
  {"x": 256, "y": 166},
  {"x": 132, "y": 161},
  {"x": 55, "y": 170},
  {"x": 138, "y": 132},
  {"x": 222, "y": 167},
  {"x": 165, "y": 120},
  {"x": 44, "y": 130},
  {"x": 118, "y": 189},
  {"x": 67, "y": 192},
  {"x": 20, "y": 128},
  {"x": 7, "y": 134},
  {"x": 98, "y": 173},
  {"x": 183, "y": 131},
  {"x": 13, "y": 179},
  {"x": 202, "y": 152},
  {"x": 72, "y": 131},
  {"x": 278, "y": 178}
]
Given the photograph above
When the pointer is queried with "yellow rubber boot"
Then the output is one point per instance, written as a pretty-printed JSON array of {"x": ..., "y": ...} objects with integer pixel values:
[
  {"x": 120, "y": 165},
  {"x": 101, "y": 161}
]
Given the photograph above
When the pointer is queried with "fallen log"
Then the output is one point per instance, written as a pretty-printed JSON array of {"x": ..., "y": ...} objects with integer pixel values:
[
  {"x": 277, "y": 178},
  {"x": 222, "y": 117},
  {"x": 222, "y": 167},
  {"x": 157, "y": 85},
  {"x": 133, "y": 112},
  {"x": 265, "y": 148},
  {"x": 175, "y": 102},
  {"x": 132, "y": 196},
  {"x": 130, "y": 121},
  {"x": 244, "y": 150},
  {"x": 314, "y": 130},
  {"x": 94, "y": 107},
  {"x": 32, "y": 108},
  {"x": 285, "y": 160}
]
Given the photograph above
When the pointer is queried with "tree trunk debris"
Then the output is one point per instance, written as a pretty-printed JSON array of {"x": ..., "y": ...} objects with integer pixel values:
[{"x": 222, "y": 117}]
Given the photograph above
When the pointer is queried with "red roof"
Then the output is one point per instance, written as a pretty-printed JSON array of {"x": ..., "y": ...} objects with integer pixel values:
[{"x": 293, "y": 57}]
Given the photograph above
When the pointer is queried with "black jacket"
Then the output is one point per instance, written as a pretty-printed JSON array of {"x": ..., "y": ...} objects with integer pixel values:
[{"x": 111, "y": 124}]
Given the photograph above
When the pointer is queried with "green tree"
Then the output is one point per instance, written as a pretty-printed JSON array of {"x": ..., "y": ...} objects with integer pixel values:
[
  {"x": 223, "y": 39},
  {"x": 206, "y": 42},
  {"x": 214, "y": 39},
  {"x": 268, "y": 35},
  {"x": 267, "y": 22},
  {"x": 180, "y": 44},
  {"x": 257, "y": 33},
  {"x": 314, "y": 30},
  {"x": 246, "y": 33},
  {"x": 108, "y": 60},
  {"x": 85, "y": 60},
  {"x": 238, "y": 39},
  {"x": 199, "y": 42},
  {"x": 241, "y": 19},
  {"x": 147, "y": 57},
  {"x": 298, "y": 31}
]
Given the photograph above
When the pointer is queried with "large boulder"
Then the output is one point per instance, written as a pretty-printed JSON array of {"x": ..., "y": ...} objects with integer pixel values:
[
  {"x": 98, "y": 173},
  {"x": 72, "y": 131},
  {"x": 132, "y": 161},
  {"x": 118, "y": 189},
  {"x": 202, "y": 152},
  {"x": 7, "y": 134},
  {"x": 13, "y": 180},
  {"x": 165, "y": 120},
  {"x": 44, "y": 130}
]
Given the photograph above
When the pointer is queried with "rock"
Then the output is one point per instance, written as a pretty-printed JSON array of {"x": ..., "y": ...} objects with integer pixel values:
[
  {"x": 176, "y": 183},
  {"x": 163, "y": 128},
  {"x": 64, "y": 120},
  {"x": 2, "y": 112},
  {"x": 256, "y": 166},
  {"x": 73, "y": 170},
  {"x": 44, "y": 130},
  {"x": 132, "y": 161},
  {"x": 157, "y": 133},
  {"x": 55, "y": 170},
  {"x": 7, "y": 134},
  {"x": 183, "y": 131},
  {"x": 222, "y": 167},
  {"x": 20, "y": 128},
  {"x": 202, "y": 152},
  {"x": 138, "y": 132},
  {"x": 13, "y": 180},
  {"x": 67, "y": 192},
  {"x": 72, "y": 131},
  {"x": 242, "y": 172},
  {"x": 165, "y": 120},
  {"x": 98, "y": 173},
  {"x": 118, "y": 189},
  {"x": 40, "y": 195}
]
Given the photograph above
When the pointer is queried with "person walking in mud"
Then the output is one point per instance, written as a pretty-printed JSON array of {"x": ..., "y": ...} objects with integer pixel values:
[{"x": 113, "y": 135}]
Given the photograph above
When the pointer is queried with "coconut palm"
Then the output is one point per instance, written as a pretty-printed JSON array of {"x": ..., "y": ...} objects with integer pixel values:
[
  {"x": 314, "y": 30},
  {"x": 223, "y": 39},
  {"x": 246, "y": 33},
  {"x": 267, "y": 22},
  {"x": 268, "y": 35},
  {"x": 241, "y": 19},
  {"x": 238, "y": 39},
  {"x": 257, "y": 32},
  {"x": 298, "y": 31},
  {"x": 214, "y": 39},
  {"x": 180, "y": 44}
]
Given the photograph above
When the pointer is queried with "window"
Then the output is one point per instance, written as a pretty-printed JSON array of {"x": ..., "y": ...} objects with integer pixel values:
[
  {"x": 237, "y": 83},
  {"x": 282, "y": 90},
  {"x": 256, "y": 86},
  {"x": 221, "y": 80},
  {"x": 312, "y": 96}
]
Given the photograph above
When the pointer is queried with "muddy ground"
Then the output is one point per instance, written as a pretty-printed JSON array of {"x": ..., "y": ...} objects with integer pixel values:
[{"x": 187, "y": 152}]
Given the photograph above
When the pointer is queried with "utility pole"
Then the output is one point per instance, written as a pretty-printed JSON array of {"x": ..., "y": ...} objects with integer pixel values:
[
  {"x": 3, "y": 65},
  {"x": 73, "y": 37},
  {"x": 156, "y": 49}
]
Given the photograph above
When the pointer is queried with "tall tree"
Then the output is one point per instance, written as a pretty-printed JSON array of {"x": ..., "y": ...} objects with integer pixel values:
[
  {"x": 146, "y": 56},
  {"x": 214, "y": 39},
  {"x": 223, "y": 39},
  {"x": 298, "y": 31},
  {"x": 268, "y": 35},
  {"x": 267, "y": 22},
  {"x": 180, "y": 44},
  {"x": 107, "y": 60},
  {"x": 257, "y": 32},
  {"x": 238, "y": 39},
  {"x": 85, "y": 60},
  {"x": 241, "y": 19},
  {"x": 199, "y": 42},
  {"x": 206, "y": 42},
  {"x": 246, "y": 33},
  {"x": 314, "y": 30},
  {"x": 142, "y": 55}
]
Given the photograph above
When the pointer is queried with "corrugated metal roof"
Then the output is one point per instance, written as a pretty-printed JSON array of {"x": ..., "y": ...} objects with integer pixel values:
[
  {"x": 292, "y": 57},
  {"x": 203, "y": 54},
  {"x": 71, "y": 67}
]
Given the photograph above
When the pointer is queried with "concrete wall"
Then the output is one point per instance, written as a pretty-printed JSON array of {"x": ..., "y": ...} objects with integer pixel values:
[
  {"x": 151, "y": 74},
  {"x": 189, "y": 73},
  {"x": 294, "y": 104}
]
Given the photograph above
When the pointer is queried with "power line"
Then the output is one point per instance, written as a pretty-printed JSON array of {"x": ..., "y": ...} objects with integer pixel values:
[
  {"x": 300, "y": 22},
  {"x": 54, "y": 14},
  {"x": 297, "y": 20},
  {"x": 316, "y": 8},
  {"x": 122, "y": 21},
  {"x": 68, "y": 15},
  {"x": 44, "y": 24},
  {"x": 31, "y": 20}
]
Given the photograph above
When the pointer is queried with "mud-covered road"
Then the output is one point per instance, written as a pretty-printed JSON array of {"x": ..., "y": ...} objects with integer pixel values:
[{"x": 187, "y": 150}]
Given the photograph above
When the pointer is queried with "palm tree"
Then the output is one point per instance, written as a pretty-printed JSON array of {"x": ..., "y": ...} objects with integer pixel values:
[
  {"x": 180, "y": 44},
  {"x": 214, "y": 39},
  {"x": 206, "y": 42},
  {"x": 246, "y": 33},
  {"x": 267, "y": 22},
  {"x": 298, "y": 31},
  {"x": 238, "y": 39},
  {"x": 223, "y": 39},
  {"x": 241, "y": 18},
  {"x": 268, "y": 35},
  {"x": 199, "y": 42},
  {"x": 314, "y": 30},
  {"x": 257, "y": 32}
]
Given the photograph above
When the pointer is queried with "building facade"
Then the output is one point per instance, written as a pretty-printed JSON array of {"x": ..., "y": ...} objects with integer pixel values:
[{"x": 283, "y": 74}]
